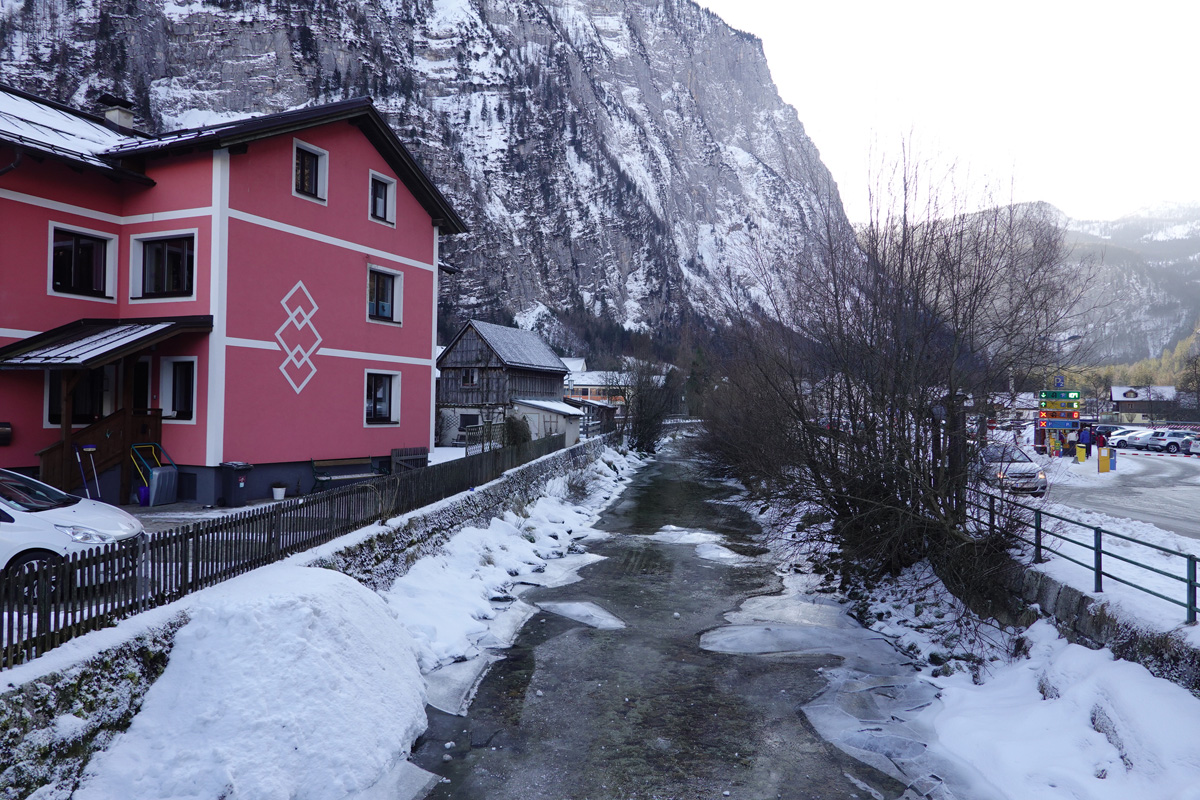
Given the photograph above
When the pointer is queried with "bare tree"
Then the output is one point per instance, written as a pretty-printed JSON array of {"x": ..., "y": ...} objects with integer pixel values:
[{"x": 854, "y": 364}]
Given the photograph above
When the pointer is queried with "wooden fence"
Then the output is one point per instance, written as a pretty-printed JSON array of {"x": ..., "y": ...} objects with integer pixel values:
[{"x": 40, "y": 609}]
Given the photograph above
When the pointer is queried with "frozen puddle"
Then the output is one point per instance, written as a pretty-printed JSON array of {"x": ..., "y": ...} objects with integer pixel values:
[
  {"x": 869, "y": 708},
  {"x": 587, "y": 613}
]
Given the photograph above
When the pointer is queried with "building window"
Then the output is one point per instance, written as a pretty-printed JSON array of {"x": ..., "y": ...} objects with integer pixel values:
[
  {"x": 168, "y": 267},
  {"x": 91, "y": 399},
  {"x": 383, "y": 398},
  {"x": 312, "y": 171},
  {"x": 382, "y": 206},
  {"x": 385, "y": 295},
  {"x": 177, "y": 389},
  {"x": 79, "y": 264},
  {"x": 470, "y": 376}
]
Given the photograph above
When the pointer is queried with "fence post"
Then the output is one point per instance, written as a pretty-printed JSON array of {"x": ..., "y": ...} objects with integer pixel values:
[
  {"x": 1099, "y": 545},
  {"x": 1191, "y": 590},
  {"x": 991, "y": 515},
  {"x": 1037, "y": 536}
]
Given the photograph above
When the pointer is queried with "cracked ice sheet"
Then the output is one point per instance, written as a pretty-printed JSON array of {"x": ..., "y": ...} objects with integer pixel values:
[
  {"x": 872, "y": 707},
  {"x": 587, "y": 613}
]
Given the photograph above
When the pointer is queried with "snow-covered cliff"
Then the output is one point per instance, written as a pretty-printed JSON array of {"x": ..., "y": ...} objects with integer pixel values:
[{"x": 606, "y": 153}]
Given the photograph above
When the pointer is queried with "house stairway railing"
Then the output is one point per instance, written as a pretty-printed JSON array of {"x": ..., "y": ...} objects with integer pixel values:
[{"x": 112, "y": 437}]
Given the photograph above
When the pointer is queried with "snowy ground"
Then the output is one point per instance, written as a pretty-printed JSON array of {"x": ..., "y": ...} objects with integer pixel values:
[{"x": 292, "y": 682}]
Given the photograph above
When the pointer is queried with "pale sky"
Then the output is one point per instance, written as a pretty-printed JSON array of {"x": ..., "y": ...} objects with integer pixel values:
[{"x": 1092, "y": 106}]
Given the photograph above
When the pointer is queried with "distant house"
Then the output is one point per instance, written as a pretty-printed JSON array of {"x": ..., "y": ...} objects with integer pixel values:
[
  {"x": 262, "y": 290},
  {"x": 1144, "y": 403},
  {"x": 489, "y": 372},
  {"x": 599, "y": 385}
]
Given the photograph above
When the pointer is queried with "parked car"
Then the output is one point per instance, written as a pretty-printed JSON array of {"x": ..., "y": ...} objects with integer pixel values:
[
  {"x": 1138, "y": 441},
  {"x": 1120, "y": 438},
  {"x": 1166, "y": 440},
  {"x": 1010, "y": 469},
  {"x": 40, "y": 524},
  {"x": 1107, "y": 430}
]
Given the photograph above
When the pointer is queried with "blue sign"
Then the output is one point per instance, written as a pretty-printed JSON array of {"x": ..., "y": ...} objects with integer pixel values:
[
  {"x": 1061, "y": 424},
  {"x": 1059, "y": 381}
]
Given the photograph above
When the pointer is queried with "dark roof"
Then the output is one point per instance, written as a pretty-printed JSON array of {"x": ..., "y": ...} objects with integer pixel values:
[
  {"x": 359, "y": 111},
  {"x": 59, "y": 131},
  {"x": 89, "y": 343},
  {"x": 514, "y": 347}
]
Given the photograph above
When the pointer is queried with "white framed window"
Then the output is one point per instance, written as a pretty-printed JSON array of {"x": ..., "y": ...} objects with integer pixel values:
[
  {"x": 381, "y": 199},
  {"x": 93, "y": 399},
  {"x": 177, "y": 389},
  {"x": 385, "y": 295},
  {"x": 162, "y": 266},
  {"x": 310, "y": 172},
  {"x": 382, "y": 398},
  {"x": 82, "y": 263}
]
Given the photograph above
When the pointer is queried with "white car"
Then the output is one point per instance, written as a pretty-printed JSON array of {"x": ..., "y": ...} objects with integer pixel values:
[
  {"x": 1120, "y": 438},
  {"x": 40, "y": 524},
  {"x": 1141, "y": 439}
]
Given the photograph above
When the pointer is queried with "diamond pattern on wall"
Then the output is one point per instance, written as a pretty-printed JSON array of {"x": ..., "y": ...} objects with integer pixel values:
[{"x": 298, "y": 337}]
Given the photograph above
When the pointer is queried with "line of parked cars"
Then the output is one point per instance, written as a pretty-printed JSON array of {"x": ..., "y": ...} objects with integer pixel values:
[{"x": 1158, "y": 439}]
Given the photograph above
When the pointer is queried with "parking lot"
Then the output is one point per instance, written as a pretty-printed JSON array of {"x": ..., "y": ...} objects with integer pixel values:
[{"x": 1158, "y": 488}]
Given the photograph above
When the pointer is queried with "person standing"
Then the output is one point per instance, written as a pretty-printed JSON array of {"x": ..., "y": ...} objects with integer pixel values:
[
  {"x": 1085, "y": 439},
  {"x": 1072, "y": 440},
  {"x": 1101, "y": 441}
]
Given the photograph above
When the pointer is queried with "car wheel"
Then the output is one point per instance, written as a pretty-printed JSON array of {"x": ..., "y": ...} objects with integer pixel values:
[
  {"x": 1172, "y": 448},
  {"x": 26, "y": 566}
]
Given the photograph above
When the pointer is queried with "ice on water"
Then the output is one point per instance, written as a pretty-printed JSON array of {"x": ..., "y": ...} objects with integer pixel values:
[{"x": 587, "y": 613}]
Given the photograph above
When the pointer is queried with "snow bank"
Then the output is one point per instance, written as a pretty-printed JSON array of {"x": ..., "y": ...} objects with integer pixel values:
[
  {"x": 288, "y": 683},
  {"x": 1073, "y": 723}
]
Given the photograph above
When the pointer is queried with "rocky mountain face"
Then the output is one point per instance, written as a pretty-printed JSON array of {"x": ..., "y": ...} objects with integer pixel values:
[
  {"x": 607, "y": 154},
  {"x": 1147, "y": 286}
]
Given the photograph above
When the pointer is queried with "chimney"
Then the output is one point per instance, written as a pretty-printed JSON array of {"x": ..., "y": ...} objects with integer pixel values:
[{"x": 118, "y": 111}]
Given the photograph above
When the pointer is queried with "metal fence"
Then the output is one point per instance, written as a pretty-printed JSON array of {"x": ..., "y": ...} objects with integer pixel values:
[
  {"x": 44, "y": 607},
  {"x": 1095, "y": 549}
]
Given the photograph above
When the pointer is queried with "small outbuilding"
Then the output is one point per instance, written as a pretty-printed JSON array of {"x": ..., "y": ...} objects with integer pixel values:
[{"x": 489, "y": 372}]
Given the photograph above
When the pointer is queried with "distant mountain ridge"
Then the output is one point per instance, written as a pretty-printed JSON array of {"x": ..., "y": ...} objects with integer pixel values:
[
  {"x": 607, "y": 154},
  {"x": 1147, "y": 289}
]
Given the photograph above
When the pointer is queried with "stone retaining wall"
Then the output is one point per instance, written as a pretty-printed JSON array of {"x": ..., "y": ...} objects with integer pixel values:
[{"x": 1085, "y": 620}]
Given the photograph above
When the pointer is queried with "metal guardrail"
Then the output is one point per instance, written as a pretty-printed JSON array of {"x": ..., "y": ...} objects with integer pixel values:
[
  {"x": 1048, "y": 532},
  {"x": 42, "y": 608}
]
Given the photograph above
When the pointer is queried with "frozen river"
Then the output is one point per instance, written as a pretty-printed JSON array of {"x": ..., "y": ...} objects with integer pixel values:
[{"x": 676, "y": 669}]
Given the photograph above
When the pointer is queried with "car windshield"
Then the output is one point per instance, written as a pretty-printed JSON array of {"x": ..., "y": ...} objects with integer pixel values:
[
  {"x": 1001, "y": 454},
  {"x": 26, "y": 494}
]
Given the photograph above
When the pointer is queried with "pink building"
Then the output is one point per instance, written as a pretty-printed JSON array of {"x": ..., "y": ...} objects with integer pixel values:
[{"x": 262, "y": 291}]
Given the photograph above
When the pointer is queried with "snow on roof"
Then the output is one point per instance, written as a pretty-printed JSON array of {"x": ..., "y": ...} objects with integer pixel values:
[
  {"x": 90, "y": 345},
  {"x": 555, "y": 406},
  {"x": 47, "y": 126},
  {"x": 599, "y": 377},
  {"x": 518, "y": 348},
  {"x": 576, "y": 364},
  {"x": 1135, "y": 393}
]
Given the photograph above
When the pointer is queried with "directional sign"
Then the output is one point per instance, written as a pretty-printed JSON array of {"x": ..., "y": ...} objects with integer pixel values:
[
  {"x": 1058, "y": 404},
  {"x": 1049, "y": 394},
  {"x": 1058, "y": 423},
  {"x": 1057, "y": 415}
]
